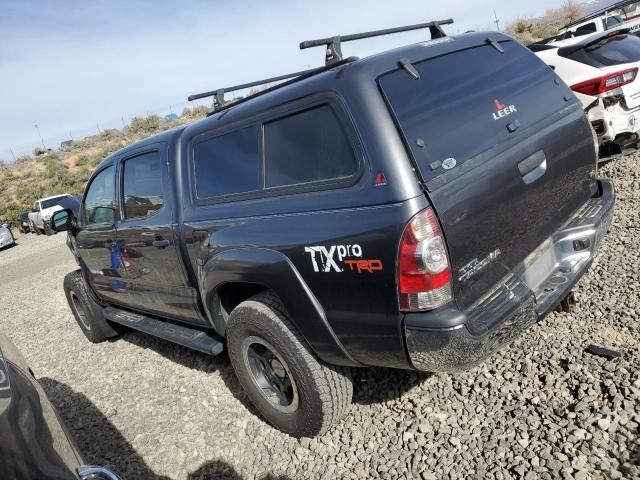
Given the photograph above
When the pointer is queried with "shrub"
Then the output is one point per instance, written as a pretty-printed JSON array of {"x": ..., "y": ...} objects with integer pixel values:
[
  {"x": 82, "y": 160},
  {"x": 198, "y": 111},
  {"x": 23, "y": 159},
  {"x": 532, "y": 30},
  {"x": 146, "y": 125}
]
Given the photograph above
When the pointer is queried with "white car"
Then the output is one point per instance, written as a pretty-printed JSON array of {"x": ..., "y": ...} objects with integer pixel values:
[
  {"x": 602, "y": 70},
  {"x": 41, "y": 213},
  {"x": 6, "y": 237}
]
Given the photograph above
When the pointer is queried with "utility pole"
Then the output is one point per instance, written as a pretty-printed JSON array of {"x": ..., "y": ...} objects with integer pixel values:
[
  {"x": 13, "y": 154},
  {"x": 71, "y": 135},
  {"x": 495, "y": 15},
  {"x": 124, "y": 125},
  {"x": 40, "y": 135},
  {"x": 98, "y": 126}
]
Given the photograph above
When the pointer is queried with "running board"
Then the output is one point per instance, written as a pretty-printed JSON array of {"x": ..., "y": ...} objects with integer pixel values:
[{"x": 185, "y": 336}]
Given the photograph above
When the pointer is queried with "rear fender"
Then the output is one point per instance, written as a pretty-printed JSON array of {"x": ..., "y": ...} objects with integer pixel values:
[{"x": 274, "y": 271}]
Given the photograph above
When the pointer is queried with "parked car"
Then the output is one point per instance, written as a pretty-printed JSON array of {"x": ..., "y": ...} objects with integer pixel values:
[
  {"x": 6, "y": 236},
  {"x": 40, "y": 215},
  {"x": 602, "y": 71},
  {"x": 416, "y": 209},
  {"x": 24, "y": 222},
  {"x": 34, "y": 444}
]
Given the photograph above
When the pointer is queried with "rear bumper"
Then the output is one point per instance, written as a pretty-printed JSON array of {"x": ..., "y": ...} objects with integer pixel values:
[
  {"x": 610, "y": 122},
  {"x": 449, "y": 340}
]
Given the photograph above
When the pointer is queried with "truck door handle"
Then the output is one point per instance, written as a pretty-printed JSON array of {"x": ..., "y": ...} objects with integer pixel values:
[
  {"x": 533, "y": 167},
  {"x": 160, "y": 243}
]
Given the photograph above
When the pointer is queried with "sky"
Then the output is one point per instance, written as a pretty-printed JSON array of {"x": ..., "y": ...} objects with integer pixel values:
[{"x": 74, "y": 67}]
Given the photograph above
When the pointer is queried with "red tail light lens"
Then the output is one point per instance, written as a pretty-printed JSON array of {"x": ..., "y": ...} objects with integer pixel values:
[
  {"x": 597, "y": 86},
  {"x": 424, "y": 274}
]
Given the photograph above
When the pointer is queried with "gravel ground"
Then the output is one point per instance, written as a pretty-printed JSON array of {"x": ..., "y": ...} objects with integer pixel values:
[{"x": 540, "y": 409}]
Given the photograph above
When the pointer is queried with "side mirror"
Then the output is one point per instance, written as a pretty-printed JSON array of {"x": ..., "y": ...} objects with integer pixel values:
[
  {"x": 63, "y": 220},
  {"x": 5, "y": 225}
]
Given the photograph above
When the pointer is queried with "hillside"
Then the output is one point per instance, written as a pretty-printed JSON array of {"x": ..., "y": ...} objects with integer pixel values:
[
  {"x": 67, "y": 170},
  {"x": 531, "y": 30}
]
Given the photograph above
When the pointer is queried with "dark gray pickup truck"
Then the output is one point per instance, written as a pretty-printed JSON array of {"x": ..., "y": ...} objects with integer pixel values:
[{"x": 415, "y": 209}]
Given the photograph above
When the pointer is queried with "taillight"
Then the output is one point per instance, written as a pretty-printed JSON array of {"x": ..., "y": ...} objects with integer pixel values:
[
  {"x": 424, "y": 275},
  {"x": 597, "y": 86}
]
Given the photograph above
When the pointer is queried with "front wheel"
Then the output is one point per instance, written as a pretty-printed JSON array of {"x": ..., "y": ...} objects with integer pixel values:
[
  {"x": 85, "y": 310},
  {"x": 48, "y": 230},
  {"x": 295, "y": 391},
  {"x": 35, "y": 228}
]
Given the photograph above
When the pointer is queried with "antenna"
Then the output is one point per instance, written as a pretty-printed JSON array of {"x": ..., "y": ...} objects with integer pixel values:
[{"x": 334, "y": 50}]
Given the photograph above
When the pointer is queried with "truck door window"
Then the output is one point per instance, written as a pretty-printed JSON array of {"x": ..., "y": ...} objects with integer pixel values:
[
  {"x": 307, "y": 147},
  {"x": 99, "y": 201},
  {"x": 142, "y": 185},
  {"x": 227, "y": 164}
]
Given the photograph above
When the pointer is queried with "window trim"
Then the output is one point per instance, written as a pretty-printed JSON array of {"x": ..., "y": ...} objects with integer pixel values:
[
  {"x": 83, "y": 220},
  {"x": 345, "y": 119},
  {"x": 120, "y": 193}
]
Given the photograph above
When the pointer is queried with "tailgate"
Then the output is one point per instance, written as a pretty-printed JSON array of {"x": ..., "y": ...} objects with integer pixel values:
[{"x": 504, "y": 150}]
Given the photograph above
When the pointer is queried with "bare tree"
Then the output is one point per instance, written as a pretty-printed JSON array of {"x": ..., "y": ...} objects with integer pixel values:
[{"x": 529, "y": 30}]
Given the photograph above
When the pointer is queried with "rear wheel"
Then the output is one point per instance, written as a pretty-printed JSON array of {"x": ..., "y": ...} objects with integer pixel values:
[
  {"x": 295, "y": 391},
  {"x": 86, "y": 311}
]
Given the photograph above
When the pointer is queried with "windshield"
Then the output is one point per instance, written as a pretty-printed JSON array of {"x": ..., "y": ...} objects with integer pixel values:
[
  {"x": 52, "y": 202},
  {"x": 607, "y": 52}
]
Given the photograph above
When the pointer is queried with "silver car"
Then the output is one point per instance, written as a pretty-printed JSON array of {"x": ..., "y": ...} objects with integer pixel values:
[{"x": 6, "y": 237}]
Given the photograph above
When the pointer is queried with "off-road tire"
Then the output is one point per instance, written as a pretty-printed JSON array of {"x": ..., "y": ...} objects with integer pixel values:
[
  {"x": 36, "y": 230},
  {"x": 48, "y": 230},
  {"x": 324, "y": 391},
  {"x": 85, "y": 310}
]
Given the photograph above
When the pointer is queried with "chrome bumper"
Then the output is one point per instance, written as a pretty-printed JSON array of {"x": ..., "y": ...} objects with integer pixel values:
[{"x": 450, "y": 340}]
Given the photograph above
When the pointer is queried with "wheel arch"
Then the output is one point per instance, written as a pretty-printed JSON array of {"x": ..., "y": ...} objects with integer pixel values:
[{"x": 233, "y": 276}]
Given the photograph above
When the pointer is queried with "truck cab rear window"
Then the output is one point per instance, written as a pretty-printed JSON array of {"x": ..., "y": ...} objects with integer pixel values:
[
  {"x": 307, "y": 147},
  {"x": 227, "y": 164}
]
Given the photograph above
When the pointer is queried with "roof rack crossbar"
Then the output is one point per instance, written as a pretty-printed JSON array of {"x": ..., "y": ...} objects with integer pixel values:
[
  {"x": 219, "y": 93},
  {"x": 220, "y": 103},
  {"x": 334, "y": 51}
]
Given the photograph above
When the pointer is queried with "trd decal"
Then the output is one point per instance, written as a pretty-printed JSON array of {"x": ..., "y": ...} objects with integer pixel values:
[
  {"x": 503, "y": 110},
  {"x": 364, "y": 265},
  {"x": 338, "y": 258}
]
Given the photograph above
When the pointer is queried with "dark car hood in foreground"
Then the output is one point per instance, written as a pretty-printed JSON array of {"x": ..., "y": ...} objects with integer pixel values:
[{"x": 33, "y": 442}]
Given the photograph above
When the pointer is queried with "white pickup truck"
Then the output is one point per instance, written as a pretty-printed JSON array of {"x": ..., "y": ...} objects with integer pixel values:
[
  {"x": 41, "y": 213},
  {"x": 624, "y": 14}
]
